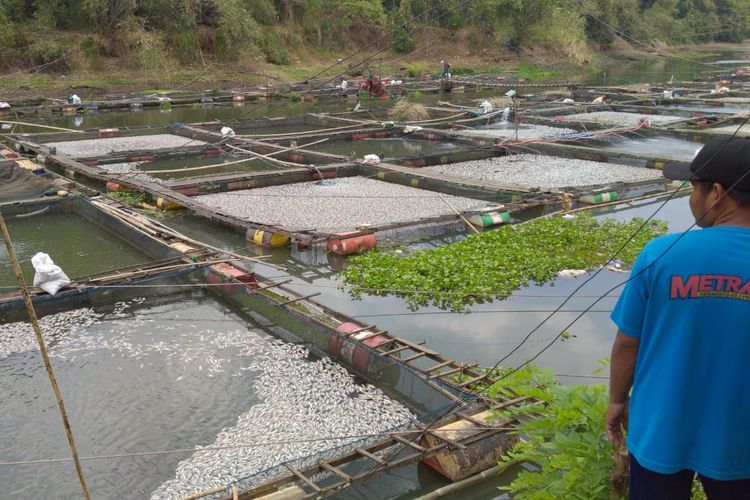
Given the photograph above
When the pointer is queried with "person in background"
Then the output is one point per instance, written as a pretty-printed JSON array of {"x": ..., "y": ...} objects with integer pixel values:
[
  {"x": 446, "y": 70},
  {"x": 683, "y": 341}
]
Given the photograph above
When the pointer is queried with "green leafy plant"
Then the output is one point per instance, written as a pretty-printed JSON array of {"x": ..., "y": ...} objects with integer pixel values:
[
  {"x": 132, "y": 198},
  {"x": 464, "y": 71},
  {"x": 564, "y": 445},
  {"x": 416, "y": 69},
  {"x": 567, "y": 445},
  {"x": 496, "y": 263},
  {"x": 274, "y": 50}
]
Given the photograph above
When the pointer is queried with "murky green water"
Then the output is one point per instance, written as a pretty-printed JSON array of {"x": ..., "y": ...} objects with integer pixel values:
[
  {"x": 195, "y": 167},
  {"x": 226, "y": 113},
  {"x": 660, "y": 147},
  {"x": 384, "y": 148},
  {"x": 78, "y": 246},
  {"x": 681, "y": 66}
]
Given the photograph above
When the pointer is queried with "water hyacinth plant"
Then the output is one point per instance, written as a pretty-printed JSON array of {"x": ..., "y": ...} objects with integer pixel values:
[{"x": 494, "y": 264}]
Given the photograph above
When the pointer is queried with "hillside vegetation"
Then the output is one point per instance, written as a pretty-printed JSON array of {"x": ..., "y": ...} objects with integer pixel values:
[{"x": 156, "y": 35}]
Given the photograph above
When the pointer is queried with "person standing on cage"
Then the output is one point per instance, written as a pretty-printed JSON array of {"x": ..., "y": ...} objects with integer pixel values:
[
  {"x": 446, "y": 73},
  {"x": 683, "y": 341}
]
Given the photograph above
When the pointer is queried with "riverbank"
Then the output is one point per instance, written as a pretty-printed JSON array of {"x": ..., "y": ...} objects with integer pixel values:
[{"x": 111, "y": 77}]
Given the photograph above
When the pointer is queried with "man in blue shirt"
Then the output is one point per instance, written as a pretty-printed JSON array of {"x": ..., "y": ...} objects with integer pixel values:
[{"x": 683, "y": 341}]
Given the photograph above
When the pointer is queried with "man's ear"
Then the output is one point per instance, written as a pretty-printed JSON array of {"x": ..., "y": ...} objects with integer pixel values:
[{"x": 717, "y": 192}]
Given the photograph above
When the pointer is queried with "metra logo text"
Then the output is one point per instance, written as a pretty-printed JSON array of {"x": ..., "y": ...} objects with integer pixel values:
[{"x": 709, "y": 285}]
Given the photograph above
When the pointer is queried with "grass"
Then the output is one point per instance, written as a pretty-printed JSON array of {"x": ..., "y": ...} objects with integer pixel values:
[
  {"x": 164, "y": 91},
  {"x": 97, "y": 81},
  {"x": 532, "y": 72}
]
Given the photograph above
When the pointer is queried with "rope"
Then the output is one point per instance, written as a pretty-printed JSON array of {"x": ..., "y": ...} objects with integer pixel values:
[{"x": 229, "y": 447}]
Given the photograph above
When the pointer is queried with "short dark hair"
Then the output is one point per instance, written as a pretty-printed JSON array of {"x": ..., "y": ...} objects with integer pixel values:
[{"x": 742, "y": 198}]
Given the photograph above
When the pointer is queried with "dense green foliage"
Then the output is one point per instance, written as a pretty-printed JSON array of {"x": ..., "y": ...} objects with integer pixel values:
[
  {"x": 155, "y": 32},
  {"x": 498, "y": 262},
  {"x": 564, "y": 447},
  {"x": 565, "y": 440}
]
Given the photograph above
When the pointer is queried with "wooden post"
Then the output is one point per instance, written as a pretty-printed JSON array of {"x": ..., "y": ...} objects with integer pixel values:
[
  {"x": 45, "y": 357},
  {"x": 471, "y": 226}
]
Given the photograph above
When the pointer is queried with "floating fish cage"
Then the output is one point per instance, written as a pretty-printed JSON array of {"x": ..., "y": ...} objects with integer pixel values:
[
  {"x": 22, "y": 179},
  {"x": 311, "y": 198},
  {"x": 101, "y": 243},
  {"x": 593, "y": 117},
  {"x": 286, "y": 126},
  {"x": 573, "y": 170},
  {"x": 233, "y": 323},
  {"x": 219, "y": 375},
  {"x": 704, "y": 132},
  {"x": 413, "y": 207},
  {"x": 387, "y": 145}
]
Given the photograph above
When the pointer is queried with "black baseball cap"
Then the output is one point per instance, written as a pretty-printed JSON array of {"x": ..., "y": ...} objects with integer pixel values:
[{"x": 723, "y": 160}]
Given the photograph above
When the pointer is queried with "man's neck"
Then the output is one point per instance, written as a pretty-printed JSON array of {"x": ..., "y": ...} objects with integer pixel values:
[{"x": 738, "y": 217}]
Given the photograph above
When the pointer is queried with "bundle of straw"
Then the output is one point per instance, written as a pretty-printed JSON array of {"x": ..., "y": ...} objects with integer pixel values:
[
  {"x": 501, "y": 102},
  {"x": 408, "y": 111}
]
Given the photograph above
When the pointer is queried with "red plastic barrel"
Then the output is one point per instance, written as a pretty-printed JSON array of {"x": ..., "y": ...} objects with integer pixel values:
[
  {"x": 344, "y": 245},
  {"x": 113, "y": 186},
  {"x": 352, "y": 350}
]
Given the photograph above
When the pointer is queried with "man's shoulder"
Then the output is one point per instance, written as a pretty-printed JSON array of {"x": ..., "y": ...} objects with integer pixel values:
[
  {"x": 661, "y": 243},
  {"x": 692, "y": 243},
  {"x": 675, "y": 246}
]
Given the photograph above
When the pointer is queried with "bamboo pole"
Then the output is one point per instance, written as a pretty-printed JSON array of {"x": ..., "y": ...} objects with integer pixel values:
[
  {"x": 42, "y": 126},
  {"x": 164, "y": 230},
  {"x": 267, "y": 157},
  {"x": 205, "y": 493},
  {"x": 45, "y": 357},
  {"x": 217, "y": 165},
  {"x": 309, "y": 132},
  {"x": 466, "y": 483},
  {"x": 476, "y": 231}
]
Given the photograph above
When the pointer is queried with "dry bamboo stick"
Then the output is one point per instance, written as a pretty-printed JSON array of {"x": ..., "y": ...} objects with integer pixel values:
[
  {"x": 205, "y": 493},
  {"x": 309, "y": 132},
  {"x": 282, "y": 162},
  {"x": 130, "y": 274},
  {"x": 476, "y": 231},
  {"x": 163, "y": 229},
  {"x": 451, "y": 117},
  {"x": 215, "y": 165},
  {"x": 42, "y": 126},
  {"x": 45, "y": 356}
]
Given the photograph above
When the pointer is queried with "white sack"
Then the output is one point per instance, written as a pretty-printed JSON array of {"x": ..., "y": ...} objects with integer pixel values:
[{"x": 49, "y": 277}]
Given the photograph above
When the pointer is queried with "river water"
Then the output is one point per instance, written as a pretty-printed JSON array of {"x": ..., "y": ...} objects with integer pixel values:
[{"x": 154, "y": 388}]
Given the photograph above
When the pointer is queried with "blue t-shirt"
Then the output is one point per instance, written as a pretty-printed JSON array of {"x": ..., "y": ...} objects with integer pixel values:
[{"x": 690, "y": 307}]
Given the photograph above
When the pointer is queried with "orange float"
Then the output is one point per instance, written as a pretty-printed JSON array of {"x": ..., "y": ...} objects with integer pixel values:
[{"x": 343, "y": 244}]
